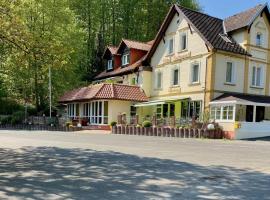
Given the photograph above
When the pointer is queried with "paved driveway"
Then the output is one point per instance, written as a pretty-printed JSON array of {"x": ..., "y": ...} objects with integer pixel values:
[{"x": 47, "y": 165}]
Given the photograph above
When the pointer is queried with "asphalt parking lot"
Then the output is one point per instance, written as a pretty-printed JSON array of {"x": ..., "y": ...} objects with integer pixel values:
[{"x": 54, "y": 165}]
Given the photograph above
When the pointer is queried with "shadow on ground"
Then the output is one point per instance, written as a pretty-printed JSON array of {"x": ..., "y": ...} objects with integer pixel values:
[{"x": 56, "y": 173}]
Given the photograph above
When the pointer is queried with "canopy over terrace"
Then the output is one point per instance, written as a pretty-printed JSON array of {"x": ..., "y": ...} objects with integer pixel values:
[
  {"x": 240, "y": 107},
  {"x": 101, "y": 103}
]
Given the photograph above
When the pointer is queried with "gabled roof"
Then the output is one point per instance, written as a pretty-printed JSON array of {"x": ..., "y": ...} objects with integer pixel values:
[
  {"x": 210, "y": 29},
  {"x": 108, "y": 91},
  {"x": 134, "y": 45},
  {"x": 111, "y": 50},
  {"x": 245, "y": 18},
  {"x": 121, "y": 71}
]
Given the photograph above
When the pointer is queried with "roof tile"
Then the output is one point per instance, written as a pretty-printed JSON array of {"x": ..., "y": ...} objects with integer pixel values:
[{"x": 105, "y": 91}]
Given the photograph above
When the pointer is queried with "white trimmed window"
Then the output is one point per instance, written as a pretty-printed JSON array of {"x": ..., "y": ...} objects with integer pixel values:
[
  {"x": 110, "y": 64},
  {"x": 175, "y": 77},
  {"x": 159, "y": 80},
  {"x": 183, "y": 41},
  {"x": 73, "y": 110},
  {"x": 230, "y": 72},
  {"x": 259, "y": 39},
  {"x": 125, "y": 59},
  {"x": 215, "y": 113},
  {"x": 195, "y": 70},
  {"x": 257, "y": 76},
  {"x": 222, "y": 113},
  {"x": 171, "y": 46}
]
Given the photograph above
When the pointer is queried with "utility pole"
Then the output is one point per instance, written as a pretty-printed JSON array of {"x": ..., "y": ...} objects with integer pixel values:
[{"x": 50, "y": 90}]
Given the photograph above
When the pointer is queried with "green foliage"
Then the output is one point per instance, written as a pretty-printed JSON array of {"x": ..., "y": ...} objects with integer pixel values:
[
  {"x": 5, "y": 120},
  {"x": 68, "y": 36},
  {"x": 113, "y": 123},
  {"x": 146, "y": 124},
  {"x": 17, "y": 117},
  {"x": 68, "y": 123},
  {"x": 10, "y": 107}
]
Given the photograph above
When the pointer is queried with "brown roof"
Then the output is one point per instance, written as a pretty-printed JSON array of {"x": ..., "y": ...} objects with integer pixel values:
[
  {"x": 113, "y": 49},
  {"x": 209, "y": 28},
  {"x": 242, "y": 97},
  {"x": 105, "y": 91},
  {"x": 136, "y": 45},
  {"x": 242, "y": 19},
  {"x": 121, "y": 71}
]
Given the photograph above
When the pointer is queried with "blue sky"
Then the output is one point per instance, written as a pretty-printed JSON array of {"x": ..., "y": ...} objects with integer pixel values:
[{"x": 225, "y": 8}]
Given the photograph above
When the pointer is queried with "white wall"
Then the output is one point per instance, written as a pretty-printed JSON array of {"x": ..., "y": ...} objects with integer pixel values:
[{"x": 253, "y": 130}]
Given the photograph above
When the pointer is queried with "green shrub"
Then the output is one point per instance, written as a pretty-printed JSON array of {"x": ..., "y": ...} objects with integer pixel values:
[
  {"x": 147, "y": 124},
  {"x": 6, "y": 120},
  {"x": 113, "y": 123},
  {"x": 17, "y": 117},
  {"x": 68, "y": 123}
]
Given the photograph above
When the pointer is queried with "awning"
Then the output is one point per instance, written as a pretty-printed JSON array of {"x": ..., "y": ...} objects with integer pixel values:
[
  {"x": 242, "y": 99},
  {"x": 158, "y": 102}
]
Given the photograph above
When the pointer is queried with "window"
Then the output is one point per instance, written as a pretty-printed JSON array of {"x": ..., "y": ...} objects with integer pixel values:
[
  {"x": 159, "y": 80},
  {"x": 195, "y": 73},
  {"x": 257, "y": 77},
  {"x": 110, "y": 64},
  {"x": 230, "y": 73},
  {"x": 86, "y": 110},
  {"x": 227, "y": 113},
  {"x": 73, "y": 110},
  {"x": 98, "y": 112},
  {"x": 190, "y": 109},
  {"x": 125, "y": 59},
  {"x": 259, "y": 39},
  {"x": 224, "y": 113},
  {"x": 159, "y": 111},
  {"x": 171, "y": 46},
  {"x": 133, "y": 111},
  {"x": 175, "y": 77},
  {"x": 133, "y": 81},
  {"x": 183, "y": 41}
]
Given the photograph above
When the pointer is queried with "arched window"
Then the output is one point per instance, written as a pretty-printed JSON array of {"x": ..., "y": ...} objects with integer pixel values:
[{"x": 259, "y": 39}]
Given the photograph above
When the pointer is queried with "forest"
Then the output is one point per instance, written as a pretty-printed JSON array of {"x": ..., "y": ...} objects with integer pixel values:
[{"x": 68, "y": 37}]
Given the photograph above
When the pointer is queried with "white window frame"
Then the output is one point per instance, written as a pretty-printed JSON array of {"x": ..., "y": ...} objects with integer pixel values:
[
  {"x": 124, "y": 59},
  {"x": 259, "y": 42},
  {"x": 222, "y": 109},
  {"x": 254, "y": 77},
  {"x": 71, "y": 110},
  {"x": 157, "y": 79},
  {"x": 172, "y": 75},
  {"x": 95, "y": 116},
  {"x": 168, "y": 46},
  {"x": 181, "y": 34},
  {"x": 232, "y": 73},
  {"x": 109, "y": 64},
  {"x": 192, "y": 73}
]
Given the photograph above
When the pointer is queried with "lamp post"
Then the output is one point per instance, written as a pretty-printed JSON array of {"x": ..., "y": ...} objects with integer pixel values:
[{"x": 50, "y": 91}]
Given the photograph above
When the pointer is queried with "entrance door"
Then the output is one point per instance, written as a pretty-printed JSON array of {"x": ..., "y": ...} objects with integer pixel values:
[
  {"x": 249, "y": 113},
  {"x": 260, "y": 110}
]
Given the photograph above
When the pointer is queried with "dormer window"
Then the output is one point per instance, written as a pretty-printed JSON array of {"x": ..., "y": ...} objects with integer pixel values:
[
  {"x": 259, "y": 39},
  {"x": 110, "y": 64},
  {"x": 125, "y": 59}
]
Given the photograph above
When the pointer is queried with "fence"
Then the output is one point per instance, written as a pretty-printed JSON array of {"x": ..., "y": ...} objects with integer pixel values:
[
  {"x": 34, "y": 127},
  {"x": 166, "y": 121},
  {"x": 168, "y": 132}
]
